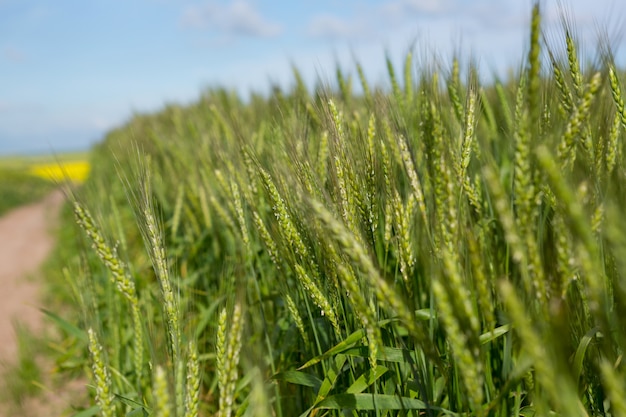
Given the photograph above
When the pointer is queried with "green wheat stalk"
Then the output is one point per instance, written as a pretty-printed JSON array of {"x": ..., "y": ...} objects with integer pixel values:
[
  {"x": 104, "y": 395},
  {"x": 120, "y": 278}
]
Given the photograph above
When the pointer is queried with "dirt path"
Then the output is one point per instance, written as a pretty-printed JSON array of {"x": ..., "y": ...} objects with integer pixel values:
[
  {"x": 24, "y": 245},
  {"x": 25, "y": 242}
]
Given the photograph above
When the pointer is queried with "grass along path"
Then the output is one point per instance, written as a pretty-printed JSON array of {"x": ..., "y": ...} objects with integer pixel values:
[{"x": 25, "y": 242}]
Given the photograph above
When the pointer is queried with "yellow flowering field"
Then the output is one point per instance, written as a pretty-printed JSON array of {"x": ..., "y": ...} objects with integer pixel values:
[
  {"x": 24, "y": 179},
  {"x": 75, "y": 171}
]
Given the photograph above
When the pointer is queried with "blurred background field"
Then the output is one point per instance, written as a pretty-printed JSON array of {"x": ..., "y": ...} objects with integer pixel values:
[{"x": 24, "y": 179}]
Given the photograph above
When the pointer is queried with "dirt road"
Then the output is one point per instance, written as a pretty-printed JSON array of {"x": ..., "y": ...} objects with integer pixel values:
[{"x": 25, "y": 241}]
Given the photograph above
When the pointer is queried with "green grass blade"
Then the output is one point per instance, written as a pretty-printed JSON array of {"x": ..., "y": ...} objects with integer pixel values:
[
  {"x": 579, "y": 357},
  {"x": 347, "y": 343},
  {"x": 369, "y": 402},
  {"x": 89, "y": 412},
  {"x": 67, "y": 326},
  {"x": 299, "y": 378},
  {"x": 332, "y": 374},
  {"x": 366, "y": 379},
  {"x": 497, "y": 332},
  {"x": 385, "y": 353}
]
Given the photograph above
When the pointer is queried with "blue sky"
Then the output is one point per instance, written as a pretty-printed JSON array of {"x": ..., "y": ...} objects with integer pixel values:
[{"x": 72, "y": 69}]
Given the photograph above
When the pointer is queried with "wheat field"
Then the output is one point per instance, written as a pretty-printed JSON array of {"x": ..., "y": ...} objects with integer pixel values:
[{"x": 439, "y": 247}]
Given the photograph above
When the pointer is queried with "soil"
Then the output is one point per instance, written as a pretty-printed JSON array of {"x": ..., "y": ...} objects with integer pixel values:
[{"x": 25, "y": 242}]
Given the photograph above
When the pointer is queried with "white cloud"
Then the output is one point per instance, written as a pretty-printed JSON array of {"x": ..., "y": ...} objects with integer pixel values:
[
  {"x": 236, "y": 18},
  {"x": 333, "y": 27},
  {"x": 426, "y": 7},
  {"x": 379, "y": 20}
]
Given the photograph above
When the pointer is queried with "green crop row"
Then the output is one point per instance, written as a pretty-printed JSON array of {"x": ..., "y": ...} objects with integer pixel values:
[{"x": 442, "y": 248}]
